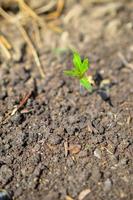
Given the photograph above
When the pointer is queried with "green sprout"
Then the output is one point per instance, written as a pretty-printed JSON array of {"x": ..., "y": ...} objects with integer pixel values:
[{"x": 79, "y": 71}]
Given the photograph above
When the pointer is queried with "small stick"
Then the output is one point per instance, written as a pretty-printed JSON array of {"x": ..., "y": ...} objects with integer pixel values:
[
  {"x": 5, "y": 46},
  {"x": 24, "y": 100},
  {"x": 55, "y": 14},
  {"x": 21, "y": 104},
  {"x": 66, "y": 148},
  {"x": 4, "y": 14},
  {"x": 28, "y": 40},
  {"x": 5, "y": 42},
  {"x": 46, "y": 8},
  {"x": 25, "y": 7}
]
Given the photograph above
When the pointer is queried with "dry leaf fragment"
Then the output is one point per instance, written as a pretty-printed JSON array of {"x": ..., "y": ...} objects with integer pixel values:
[
  {"x": 69, "y": 198},
  {"x": 105, "y": 82},
  {"x": 74, "y": 148},
  {"x": 83, "y": 194}
]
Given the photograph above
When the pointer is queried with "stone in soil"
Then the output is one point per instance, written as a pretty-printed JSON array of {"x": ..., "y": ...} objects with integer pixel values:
[{"x": 6, "y": 174}]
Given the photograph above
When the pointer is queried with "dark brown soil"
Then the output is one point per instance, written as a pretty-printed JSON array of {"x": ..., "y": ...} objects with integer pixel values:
[{"x": 98, "y": 126}]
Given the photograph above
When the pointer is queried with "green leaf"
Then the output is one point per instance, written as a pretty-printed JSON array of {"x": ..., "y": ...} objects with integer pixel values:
[
  {"x": 85, "y": 83},
  {"x": 85, "y": 64},
  {"x": 77, "y": 61},
  {"x": 73, "y": 73},
  {"x": 79, "y": 70}
]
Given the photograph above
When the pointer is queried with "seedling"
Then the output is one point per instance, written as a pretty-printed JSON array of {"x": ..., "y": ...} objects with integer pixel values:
[{"x": 79, "y": 71}]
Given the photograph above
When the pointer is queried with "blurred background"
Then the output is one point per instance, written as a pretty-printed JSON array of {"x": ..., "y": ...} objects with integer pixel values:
[{"x": 30, "y": 28}]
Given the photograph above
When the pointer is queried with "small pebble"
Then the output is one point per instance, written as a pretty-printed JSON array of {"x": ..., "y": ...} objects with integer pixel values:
[
  {"x": 17, "y": 118},
  {"x": 5, "y": 174},
  {"x": 83, "y": 154},
  {"x": 107, "y": 185},
  {"x": 55, "y": 139},
  {"x": 97, "y": 153},
  {"x": 104, "y": 95},
  {"x": 96, "y": 174},
  {"x": 4, "y": 195},
  {"x": 123, "y": 162}
]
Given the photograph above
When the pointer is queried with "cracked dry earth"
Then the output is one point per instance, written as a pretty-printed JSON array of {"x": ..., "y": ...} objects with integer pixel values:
[{"x": 64, "y": 144}]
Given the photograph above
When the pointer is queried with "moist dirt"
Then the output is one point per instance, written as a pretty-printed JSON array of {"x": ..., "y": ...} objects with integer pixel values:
[{"x": 65, "y": 143}]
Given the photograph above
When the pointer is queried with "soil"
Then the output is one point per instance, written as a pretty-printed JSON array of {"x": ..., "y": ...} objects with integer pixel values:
[{"x": 65, "y": 143}]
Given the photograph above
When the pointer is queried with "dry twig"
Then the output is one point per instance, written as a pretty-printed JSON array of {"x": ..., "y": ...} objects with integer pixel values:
[
  {"x": 29, "y": 12},
  {"x": 57, "y": 13},
  {"x": 24, "y": 100},
  {"x": 45, "y": 8},
  {"x": 11, "y": 19},
  {"x": 20, "y": 20},
  {"x": 6, "y": 46},
  {"x": 29, "y": 42}
]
